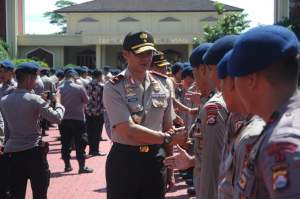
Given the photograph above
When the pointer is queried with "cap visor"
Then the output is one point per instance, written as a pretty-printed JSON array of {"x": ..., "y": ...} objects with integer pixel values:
[
  {"x": 144, "y": 49},
  {"x": 163, "y": 64}
]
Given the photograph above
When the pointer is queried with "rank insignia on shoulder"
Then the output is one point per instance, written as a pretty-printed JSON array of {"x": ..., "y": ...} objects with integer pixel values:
[
  {"x": 212, "y": 113},
  {"x": 279, "y": 177},
  {"x": 158, "y": 74},
  {"x": 117, "y": 79}
]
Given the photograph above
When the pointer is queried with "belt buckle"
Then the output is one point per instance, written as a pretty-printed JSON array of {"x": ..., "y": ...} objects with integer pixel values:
[{"x": 144, "y": 149}]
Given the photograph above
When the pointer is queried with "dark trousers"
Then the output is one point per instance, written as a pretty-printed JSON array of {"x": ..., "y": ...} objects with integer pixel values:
[
  {"x": 72, "y": 129},
  {"x": 131, "y": 174},
  {"x": 94, "y": 125},
  {"x": 4, "y": 176},
  {"x": 31, "y": 164}
]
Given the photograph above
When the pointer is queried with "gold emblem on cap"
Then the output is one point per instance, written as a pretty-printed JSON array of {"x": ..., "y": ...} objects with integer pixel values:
[{"x": 143, "y": 35}]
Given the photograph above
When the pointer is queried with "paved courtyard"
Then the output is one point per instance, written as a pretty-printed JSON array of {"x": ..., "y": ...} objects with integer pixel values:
[{"x": 85, "y": 186}]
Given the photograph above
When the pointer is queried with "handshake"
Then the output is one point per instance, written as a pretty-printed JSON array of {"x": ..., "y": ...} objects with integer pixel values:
[{"x": 177, "y": 136}]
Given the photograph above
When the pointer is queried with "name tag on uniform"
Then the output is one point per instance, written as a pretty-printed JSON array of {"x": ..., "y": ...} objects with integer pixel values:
[
  {"x": 158, "y": 95},
  {"x": 132, "y": 99}
]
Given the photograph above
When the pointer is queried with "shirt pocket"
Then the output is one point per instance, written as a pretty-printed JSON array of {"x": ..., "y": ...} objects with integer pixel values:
[
  {"x": 134, "y": 104},
  {"x": 159, "y": 102}
]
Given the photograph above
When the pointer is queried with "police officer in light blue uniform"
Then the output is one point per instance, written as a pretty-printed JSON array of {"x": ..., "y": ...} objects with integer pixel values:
[
  {"x": 265, "y": 68},
  {"x": 7, "y": 77},
  {"x": 74, "y": 98},
  {"x": 23, "y": 142},
  {"x": 243, "y": 128}
]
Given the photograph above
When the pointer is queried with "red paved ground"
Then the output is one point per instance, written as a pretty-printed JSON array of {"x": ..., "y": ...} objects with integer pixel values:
[{"x": 84, "y": 186}]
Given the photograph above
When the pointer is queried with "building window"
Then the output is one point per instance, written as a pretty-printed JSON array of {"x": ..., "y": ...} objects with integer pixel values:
[
  {"x": 169, "y": 19},
  {"x": 128, "y": 19},
  {"x": 88, "y": 19},
  {"x": 41, "y": 55},
  {"x": 86, "y": 58}
]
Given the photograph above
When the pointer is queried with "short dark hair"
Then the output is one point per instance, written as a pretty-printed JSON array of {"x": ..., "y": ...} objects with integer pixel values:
[
  {"x": 283, "y": 71},
  {"x": 96, "y": 73},
  {"x": 22, "y": 75}
]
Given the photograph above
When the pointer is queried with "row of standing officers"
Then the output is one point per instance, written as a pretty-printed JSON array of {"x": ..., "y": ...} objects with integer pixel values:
[
  {"x": 26, "y": 105},
  {"x": 246, "y": 133}
]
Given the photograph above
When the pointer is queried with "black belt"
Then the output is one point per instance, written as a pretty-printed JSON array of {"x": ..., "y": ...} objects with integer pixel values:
[{"x": 140, "y": 149}]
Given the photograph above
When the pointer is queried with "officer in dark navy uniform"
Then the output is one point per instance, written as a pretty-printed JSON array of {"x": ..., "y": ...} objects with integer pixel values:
[
  {"x": 23, "y": 142},
  {"x": 139, "y": 107}
]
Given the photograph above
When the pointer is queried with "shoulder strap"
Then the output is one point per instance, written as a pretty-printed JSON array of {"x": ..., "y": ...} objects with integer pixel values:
[
  {"x": 158, "y": 74},
  {"x": 116, "y": 79}
]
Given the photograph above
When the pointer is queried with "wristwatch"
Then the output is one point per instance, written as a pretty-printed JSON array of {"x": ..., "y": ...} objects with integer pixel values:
[{"x": 167, "y": 139}]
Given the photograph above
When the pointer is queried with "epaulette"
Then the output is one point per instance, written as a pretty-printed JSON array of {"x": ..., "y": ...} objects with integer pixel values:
[
  {"x": 116, "y": 79},
  {"x": 158, "y": 74}
]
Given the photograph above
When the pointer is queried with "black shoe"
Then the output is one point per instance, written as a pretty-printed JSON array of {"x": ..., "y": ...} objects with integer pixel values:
[
  {"x": 97, "y": 154},
  {"x": 85, "y": 169},
  {"x": 68, "y": 169},
  {"x": 68, "y": 166},
  {"x": 191, "y": 191}
]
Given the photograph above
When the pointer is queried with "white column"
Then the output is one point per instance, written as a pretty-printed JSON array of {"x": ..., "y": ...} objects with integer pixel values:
[
  {"x": 12, "y": 26},
  {"x": 190, "y": 49},
  {"x": 281, "y": 9},
  {"x": 98, "y": 56},
  {"x": 103, "y": 56}
]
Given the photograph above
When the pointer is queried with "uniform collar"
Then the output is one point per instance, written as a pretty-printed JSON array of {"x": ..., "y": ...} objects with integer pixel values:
[
  {"x": 287, "y": 106},
  {"x": 131, "y": 81}
]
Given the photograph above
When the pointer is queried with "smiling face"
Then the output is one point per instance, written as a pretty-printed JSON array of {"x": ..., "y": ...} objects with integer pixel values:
[{"x": 138, "y": 62}]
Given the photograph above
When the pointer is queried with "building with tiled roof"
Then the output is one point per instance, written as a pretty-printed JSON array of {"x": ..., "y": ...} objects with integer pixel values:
[{"x": 95, "y": 30}]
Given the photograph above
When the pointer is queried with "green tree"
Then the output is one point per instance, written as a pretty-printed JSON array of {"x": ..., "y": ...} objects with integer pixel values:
[
  {"x": 42, "y": 64},
  {"x": 56, "y": 18},
  {"x": 227, "y": 24},
  {"x": 3, "y": 50}
]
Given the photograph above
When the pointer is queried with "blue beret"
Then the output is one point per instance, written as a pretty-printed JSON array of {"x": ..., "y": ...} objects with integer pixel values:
[
  {"x": 71, "y": 72},
  {"x": 186, "y": 65},
  {"x": 261, "y": 46},
  {"x": 59, "y": 73},
  {"x": 177, "y": 67},
  {"x": 7, "y": 64},
  {"x": 220, "y": 47},
  {"x": 222, "y": 67},
  {"x": 197, "y": 54},
  {"x": 84, "y": 69},
  {"x": 187, "y": 72},
  {"x": 28, "y": 67},
  {"x": 44, "y": 71}
]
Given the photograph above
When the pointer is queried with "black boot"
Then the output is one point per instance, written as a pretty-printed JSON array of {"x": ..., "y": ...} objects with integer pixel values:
[
  {"x": 83, "y": 168},
  {"x": 68, "y": 166}
]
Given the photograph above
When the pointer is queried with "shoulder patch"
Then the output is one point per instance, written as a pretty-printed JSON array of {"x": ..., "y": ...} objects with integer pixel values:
[
  {"x": 116, "y": 79},
  {"x": 212, "y": 113},
  {"x": 158, "y": 74}
]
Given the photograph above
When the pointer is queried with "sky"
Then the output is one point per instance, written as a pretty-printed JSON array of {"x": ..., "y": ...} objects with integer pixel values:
[{"x": 259, "y": 12}]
